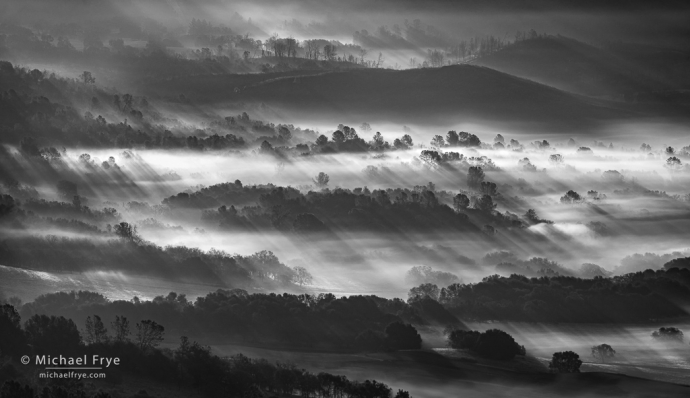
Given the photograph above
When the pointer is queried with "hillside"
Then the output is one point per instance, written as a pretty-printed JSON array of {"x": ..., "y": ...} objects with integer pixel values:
[
  {"x": 577, "y": 67},
  {"x": 460, "y": 93}
]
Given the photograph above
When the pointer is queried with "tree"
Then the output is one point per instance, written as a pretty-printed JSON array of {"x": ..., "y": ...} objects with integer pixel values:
[
  {"x": 497, "y": 344},
  {"x": 463, "y": 339},
  {"x": 322, "y": 140},
  {"x": 532, "y": 216},
  {"x": 329, "y": 51},
  {"x": 365, "y": 127},
  {"x": 338, "y": 136},
  {"x": 682, "y": 262},
  {"x": 493, "y": 343},
  {"x": 488, "y": 188},
  {"x": 321, "y": 180},
  {"x": 149, "y": 334},
  {"x": 452, "y": 138},
  {"x": 603, "y": 351},
  {"x": 668, "y": 334},
  {"x": 87, "y": 78},
  {"x": 438, "y": 141},
  {"x": 407, "y": 140},
  {"x": 284, "y": 133},
  {"x": 475, "y": 177},
  {"x": 51, "y": 334},
  {"x": 402, "y": 336},
  {"x": 302, "y": 276},
  {"x": 121, "y": 328},
  {"x": 94, "y": 330},
  {"x": 565, "y": 362},
  {"x": 460, "y": 202},
  {"x": 673, "y": 163},
  {"x": 13, "y": 340},
  {"x": 421, "y": 291},
  {"x": 571, "y": 197},
  {"x": 499, "y": 138},
  {"x": 126, "y": 231},
  {"x": 266, "y": 147},
  {"x": 378, "y": 141},
  {"x": 556, "y": 159},
  {"x": 485, "y": 203}
]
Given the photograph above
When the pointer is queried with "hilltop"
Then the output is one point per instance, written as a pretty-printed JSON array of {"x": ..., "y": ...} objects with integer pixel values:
[
  {"x": 459, "y": 92},
  {"x": 620, "y": 71}
]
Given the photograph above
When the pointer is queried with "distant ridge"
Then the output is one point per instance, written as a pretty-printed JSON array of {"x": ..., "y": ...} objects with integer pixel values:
[
  {"x": 460, "y": 92},
  {"x": 578, "y": 67}
]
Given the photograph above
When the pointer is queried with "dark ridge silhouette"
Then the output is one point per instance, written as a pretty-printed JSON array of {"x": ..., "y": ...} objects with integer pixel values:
[
  {"x": 414, "y": 95},
  {"x": 616, "y": 71},
  {"x": 634, "y": 297}
]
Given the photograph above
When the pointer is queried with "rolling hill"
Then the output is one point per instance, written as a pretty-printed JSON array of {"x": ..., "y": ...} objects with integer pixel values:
[
  {"x": 620, "y": 71},
  {"x": 441, "y": 95}
]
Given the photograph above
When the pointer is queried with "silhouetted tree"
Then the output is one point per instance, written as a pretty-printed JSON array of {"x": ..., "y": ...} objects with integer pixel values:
[
  {"x": 565, "y": 362},
  {"x": 402, "y": 336},
  {"x": 475, "y": 177},
  {"x": 51, "y": 334},
  {"x": 120, "y": 329},
  {"x": 438, "y": 141},
  {"x": 13, "y": 341},
  {"x": 497, "y": 344},
  {"x": 423, "y": 290},
  {"x": 94, "y": 330},
  {"x": 338, "y": 137},
  {"x": 87, "y": 78},
  {"x": 485, "y": 203},
  {"x": 571, "y": 197},
  {"x": 452, "y": 138},
  {"x": 149, "y": 334},
  {"x": 460, "y": 202},
  {"x": 668, "y": 334},
  {"x": 322, "y": 140},
  {"x": 126, "y": 231}
]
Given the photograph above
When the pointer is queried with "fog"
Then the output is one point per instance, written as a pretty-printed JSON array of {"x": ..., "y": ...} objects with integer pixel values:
[
  {"x": 349, "y": 188},
  {"x": 357, "y": 262}
]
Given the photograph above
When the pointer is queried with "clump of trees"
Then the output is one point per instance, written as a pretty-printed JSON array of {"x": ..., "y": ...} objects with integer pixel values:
[
  {"x": 671, "y": 334},
  {"x": 271, "y": 320},
  {"x": 565, "y": 362},
  {"x": 493, "y": 343},
  {"x": 631, "y": 297}
]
